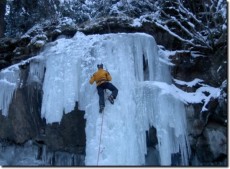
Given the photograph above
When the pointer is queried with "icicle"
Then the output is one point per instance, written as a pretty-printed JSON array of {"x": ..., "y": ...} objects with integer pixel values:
[
  {"x": 36, "y": 71},
  {"x": 9, "y": 81},
  {"x": 162, "y": 111}
]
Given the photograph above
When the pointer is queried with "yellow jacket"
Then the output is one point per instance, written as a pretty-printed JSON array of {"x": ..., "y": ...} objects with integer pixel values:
[{"x": 100, "y": 77}]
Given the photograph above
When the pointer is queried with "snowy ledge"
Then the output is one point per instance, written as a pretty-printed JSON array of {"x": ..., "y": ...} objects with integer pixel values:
[{"x": 200, "y": 96}]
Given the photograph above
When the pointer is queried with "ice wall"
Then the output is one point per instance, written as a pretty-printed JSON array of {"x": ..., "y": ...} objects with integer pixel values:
[
  {"x": 140, "y": 104},
  {"x": 167, "y": 115},
  {"x": 134, "y": 63}
]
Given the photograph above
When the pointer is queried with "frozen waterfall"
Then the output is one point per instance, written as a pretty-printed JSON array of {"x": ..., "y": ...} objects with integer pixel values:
[{"x": 137, "y": 71}]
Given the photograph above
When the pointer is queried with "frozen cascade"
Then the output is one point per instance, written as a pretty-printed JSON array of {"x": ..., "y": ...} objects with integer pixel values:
[
  {"x": 9, "y": 81},
  {"x": 167, "y": 115},
  {"x": 138, "y": 106},
  {"x": 36, "y": 70},
  {"x": 133, "y": 61}
]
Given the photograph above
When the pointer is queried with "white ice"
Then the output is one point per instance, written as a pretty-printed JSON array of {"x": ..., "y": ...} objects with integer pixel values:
[
  {"x": 146, "y": 96},
  {"x": 9, "y": 81},
  {"x": 123, "y": 140}
]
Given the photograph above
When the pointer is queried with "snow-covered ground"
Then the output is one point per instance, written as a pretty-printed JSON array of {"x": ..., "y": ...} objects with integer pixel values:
[{"x": 146, "y": 95}]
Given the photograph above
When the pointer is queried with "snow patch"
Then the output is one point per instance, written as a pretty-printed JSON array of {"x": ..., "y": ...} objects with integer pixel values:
[{"x": 189, "y": 84}]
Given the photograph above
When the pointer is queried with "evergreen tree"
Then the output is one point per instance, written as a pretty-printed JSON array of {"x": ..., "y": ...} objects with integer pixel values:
[{"x": 2, "y": 14}]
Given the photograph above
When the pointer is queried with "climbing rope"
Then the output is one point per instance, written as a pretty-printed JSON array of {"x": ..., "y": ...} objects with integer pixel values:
[{"x": 99, "y": 149}]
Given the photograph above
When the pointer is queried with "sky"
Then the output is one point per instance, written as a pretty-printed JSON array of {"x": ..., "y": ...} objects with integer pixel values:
[{"x": 147, "y": 97}]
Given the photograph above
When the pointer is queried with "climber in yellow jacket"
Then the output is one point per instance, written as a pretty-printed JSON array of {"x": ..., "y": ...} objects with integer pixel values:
[{"x": 102, "y": 78}]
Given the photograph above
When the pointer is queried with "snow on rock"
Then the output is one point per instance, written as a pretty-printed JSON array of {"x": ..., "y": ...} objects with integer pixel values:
[
  {"x": 201, "y": 95},
  {"x": 38, "y": 40},
  {"x": 136, "y": 23},
  {"x": 189, "y": 84}
]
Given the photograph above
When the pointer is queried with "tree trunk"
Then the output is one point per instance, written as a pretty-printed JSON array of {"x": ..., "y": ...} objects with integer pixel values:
[{"x": 2, "y": 14}]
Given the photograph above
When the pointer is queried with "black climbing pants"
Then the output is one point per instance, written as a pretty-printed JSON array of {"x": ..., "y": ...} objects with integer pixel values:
[{"x": 101, "y": 89}]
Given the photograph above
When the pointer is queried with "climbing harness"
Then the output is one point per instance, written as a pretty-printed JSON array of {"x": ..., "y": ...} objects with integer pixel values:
[{"x": 99, "y": 149}]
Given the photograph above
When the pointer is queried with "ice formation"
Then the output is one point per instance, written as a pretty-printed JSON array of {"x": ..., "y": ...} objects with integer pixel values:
[{"x": 136, "y": 69}]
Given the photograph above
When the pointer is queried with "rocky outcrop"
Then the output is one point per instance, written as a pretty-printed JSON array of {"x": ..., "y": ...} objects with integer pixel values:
[
  {"x": 14, "y": 50},
  {"x": 206, "y": 129},
  {"x": 117, "y": 25}
]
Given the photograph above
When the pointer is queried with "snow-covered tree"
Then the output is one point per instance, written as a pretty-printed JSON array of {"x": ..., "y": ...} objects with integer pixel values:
[
  {"x": 197, "y": 24},
  {"x": 24, "y": 14}
]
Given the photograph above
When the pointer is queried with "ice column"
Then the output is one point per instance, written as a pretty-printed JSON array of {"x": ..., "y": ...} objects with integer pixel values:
[
  {"x": 9, "y": 81},
  {"x": 164, "y": 112}
]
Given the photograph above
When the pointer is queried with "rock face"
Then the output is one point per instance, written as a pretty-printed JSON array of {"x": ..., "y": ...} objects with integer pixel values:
[
  {"x": 13, "y": 50},
  {"x": 207, "y": 130}
]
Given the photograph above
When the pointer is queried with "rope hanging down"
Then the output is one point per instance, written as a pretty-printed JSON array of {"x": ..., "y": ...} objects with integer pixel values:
[{"x": 99, "y": 149}]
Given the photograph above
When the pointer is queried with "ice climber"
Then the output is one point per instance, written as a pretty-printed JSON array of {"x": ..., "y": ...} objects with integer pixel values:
[{"x": 102, "y": 78}]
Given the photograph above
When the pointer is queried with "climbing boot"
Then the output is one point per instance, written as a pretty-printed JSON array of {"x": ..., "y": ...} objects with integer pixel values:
[
  {"x": 101, "y": 109},
  {"x": 110, "y": 98}
]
